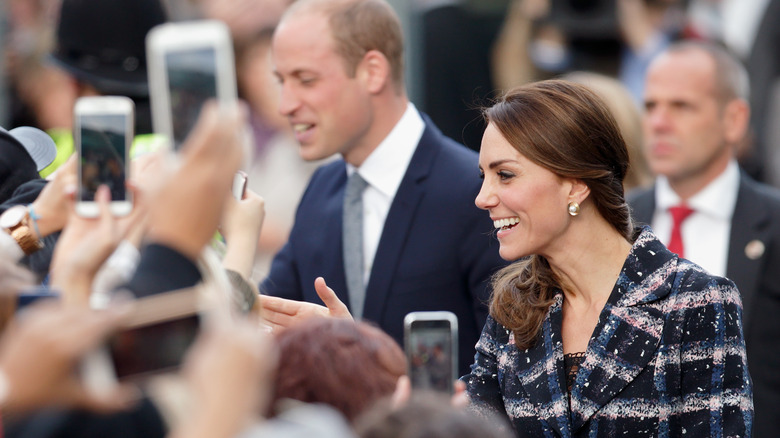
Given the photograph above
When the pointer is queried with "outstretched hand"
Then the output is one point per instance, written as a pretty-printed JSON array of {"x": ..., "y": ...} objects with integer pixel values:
[{"x": 281, "y": 313}]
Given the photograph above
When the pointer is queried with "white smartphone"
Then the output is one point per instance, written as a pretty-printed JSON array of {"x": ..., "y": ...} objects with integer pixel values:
[
  {"x": 239, "y": 185},
  {"x": 103, "y": 134},
  {"x": 431, "y": 345},
  {"x": 189, "y": 63}
]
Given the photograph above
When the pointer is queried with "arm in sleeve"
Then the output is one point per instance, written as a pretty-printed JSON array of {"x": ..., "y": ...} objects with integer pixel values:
[{"x": 162, "y": 269}]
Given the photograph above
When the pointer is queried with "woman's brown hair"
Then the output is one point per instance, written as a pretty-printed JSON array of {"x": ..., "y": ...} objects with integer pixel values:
[
  {"x": 345, "y": 364},
  {"x": 565, "y": 128}
]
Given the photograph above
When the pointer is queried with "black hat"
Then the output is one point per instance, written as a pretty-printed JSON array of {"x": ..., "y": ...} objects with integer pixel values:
[
  {"x": 101, "y": 42},
  {"x": 23, "y": 152}
]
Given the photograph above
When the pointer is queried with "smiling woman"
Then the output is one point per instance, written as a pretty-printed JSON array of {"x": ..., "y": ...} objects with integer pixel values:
[{"x": 597, "y": 328}]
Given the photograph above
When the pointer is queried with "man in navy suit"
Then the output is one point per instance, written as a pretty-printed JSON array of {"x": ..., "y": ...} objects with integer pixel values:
[
  {"x": 425, "y": 244},
  {"x": 696, "y": 112}
]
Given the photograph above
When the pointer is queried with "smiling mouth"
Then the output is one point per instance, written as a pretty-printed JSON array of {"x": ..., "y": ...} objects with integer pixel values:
[
  {"x": 301, "y": 127},
  {"x": 505, "y": 224}
]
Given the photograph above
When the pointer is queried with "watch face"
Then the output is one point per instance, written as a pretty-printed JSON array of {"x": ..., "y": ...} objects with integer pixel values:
[{"x": 13, "y": 216}]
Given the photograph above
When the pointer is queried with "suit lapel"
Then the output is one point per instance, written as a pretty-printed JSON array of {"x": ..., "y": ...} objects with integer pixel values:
[
  {"x": 747, "y": 243},
  {"x": 398, "y": 224},
  {"x": 336, "y": 277}
]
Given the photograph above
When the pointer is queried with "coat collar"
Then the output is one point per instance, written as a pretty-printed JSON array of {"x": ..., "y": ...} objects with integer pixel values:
[{"x": 623, "y": 343}]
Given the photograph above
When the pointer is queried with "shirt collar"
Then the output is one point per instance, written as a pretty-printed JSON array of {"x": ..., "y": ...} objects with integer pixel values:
[
  {"x": 717, "y": 199},
  {"x": 386, "y": 166}
]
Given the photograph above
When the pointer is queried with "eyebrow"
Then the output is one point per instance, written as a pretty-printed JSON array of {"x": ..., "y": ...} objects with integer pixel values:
[{"x": 495, "y": 164}]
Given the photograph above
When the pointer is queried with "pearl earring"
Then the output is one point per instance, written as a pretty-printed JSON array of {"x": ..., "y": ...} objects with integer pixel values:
[{"x": 574, "y": 208}]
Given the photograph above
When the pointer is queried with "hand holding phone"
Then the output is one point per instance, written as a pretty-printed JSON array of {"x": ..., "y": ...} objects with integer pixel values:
[
  {"x": 103, "y": 134},
  {"x": 430, "y": 342}
]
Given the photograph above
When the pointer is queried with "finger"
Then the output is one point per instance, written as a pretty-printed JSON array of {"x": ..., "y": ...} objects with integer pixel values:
[
  {"x": 403, "y": 390},
  {"x": 459, "y": 397},
  {"x": 67, "y": 169},
  {"x": 330, "y": 299},
  {"x": 103, "y": 199},
  {"x": 279, "y": 305},
  {"x": 276, "y": 319}
]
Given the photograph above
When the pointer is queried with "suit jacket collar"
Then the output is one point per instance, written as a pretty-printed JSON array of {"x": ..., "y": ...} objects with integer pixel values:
[
  {"x": 399, "y": 220},
  {"x": 750, "y": 225},
  {"x": 611, "y": 361}
]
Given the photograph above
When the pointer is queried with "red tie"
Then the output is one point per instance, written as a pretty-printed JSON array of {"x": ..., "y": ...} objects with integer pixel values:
[{"x": 679, "y": 213}]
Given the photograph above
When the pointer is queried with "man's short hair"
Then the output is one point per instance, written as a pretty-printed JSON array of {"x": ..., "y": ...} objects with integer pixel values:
[
  {"x": 358, "y": 26},
  {"x": 731, "y": 77}
]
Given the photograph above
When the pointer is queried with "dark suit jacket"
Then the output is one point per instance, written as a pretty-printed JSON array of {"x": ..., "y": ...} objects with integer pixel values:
[
  {"x": 666, "y": 359},
  {"x": 756, "y": 219},
  {"x": 436, "y": 251}
]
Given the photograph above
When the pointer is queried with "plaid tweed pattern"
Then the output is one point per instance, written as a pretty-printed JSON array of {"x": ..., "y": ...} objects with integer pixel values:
[{"x": 666, "y": 359}]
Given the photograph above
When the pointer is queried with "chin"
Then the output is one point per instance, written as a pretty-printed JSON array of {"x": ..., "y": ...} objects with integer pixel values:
[
  {"x": 310, "y": 153},
  {"x": 509, "y": 255}
]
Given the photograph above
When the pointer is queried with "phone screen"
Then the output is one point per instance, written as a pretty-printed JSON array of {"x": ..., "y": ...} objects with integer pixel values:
[
  {"x": 153, "y": 348},
  {"x": 103, "y": 155},
  {"x": 192, "y": 79},
  {"x": 430, "y": 355}
]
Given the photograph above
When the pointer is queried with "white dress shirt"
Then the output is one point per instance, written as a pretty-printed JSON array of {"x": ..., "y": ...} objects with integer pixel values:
[
  {"x": 705, "y": 233},
  {"x": 383, "y": 170}
]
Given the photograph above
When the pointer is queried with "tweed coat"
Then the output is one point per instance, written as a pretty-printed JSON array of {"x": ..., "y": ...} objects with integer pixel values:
[{"x": 667, "y": 358}]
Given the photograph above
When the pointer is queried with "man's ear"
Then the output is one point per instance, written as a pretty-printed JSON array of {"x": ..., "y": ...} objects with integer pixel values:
[
  {"x": 374, "y": 70},
  {"x": 736, "y": 116}
]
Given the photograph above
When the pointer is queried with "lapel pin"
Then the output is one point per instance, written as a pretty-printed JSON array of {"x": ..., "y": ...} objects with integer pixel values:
[{"x": 754, "y": 249}]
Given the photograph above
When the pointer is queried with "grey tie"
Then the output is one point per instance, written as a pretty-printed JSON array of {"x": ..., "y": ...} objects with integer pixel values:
[{"x": 352, "y": 232}]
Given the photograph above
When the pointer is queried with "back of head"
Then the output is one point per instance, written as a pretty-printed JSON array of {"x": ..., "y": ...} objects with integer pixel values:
[
  {"x": 338, "y": 362},
  {"x": 626, "y": 112},
  {"x": 428, "y": 415},
  {"x": 102, "y": 43},
  {"x": 358, "y": 26}
]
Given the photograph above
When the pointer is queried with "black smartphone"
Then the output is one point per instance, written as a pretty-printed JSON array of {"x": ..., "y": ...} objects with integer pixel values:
[
  {"x": 430, "y": 342},
  {"x": 153, "y": 341}
]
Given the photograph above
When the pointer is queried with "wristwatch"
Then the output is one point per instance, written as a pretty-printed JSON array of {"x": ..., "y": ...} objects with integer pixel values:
[{"x": 15, "y": 221}]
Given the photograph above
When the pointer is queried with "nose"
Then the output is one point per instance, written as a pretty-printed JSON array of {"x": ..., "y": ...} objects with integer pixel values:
[
  {"x": 288, "y": 100},
  {"x": 486, "y": 198},
  {"x": 657, "y": 119}
]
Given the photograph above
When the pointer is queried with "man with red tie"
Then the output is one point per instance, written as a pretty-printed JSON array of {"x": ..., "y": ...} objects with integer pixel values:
[{"x": 703, "y": 207}]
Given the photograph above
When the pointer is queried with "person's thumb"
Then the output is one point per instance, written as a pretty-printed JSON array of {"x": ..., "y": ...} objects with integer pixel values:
[{"x": 337, "y": 308}]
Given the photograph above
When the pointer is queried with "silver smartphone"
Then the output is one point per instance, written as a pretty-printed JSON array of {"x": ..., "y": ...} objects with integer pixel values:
[
  {"x": 431, "y": 345},
  {"x": 103, "y": 134},
  {"x": 189, "y": 63},
  {"x": 239, "y": 185}
]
